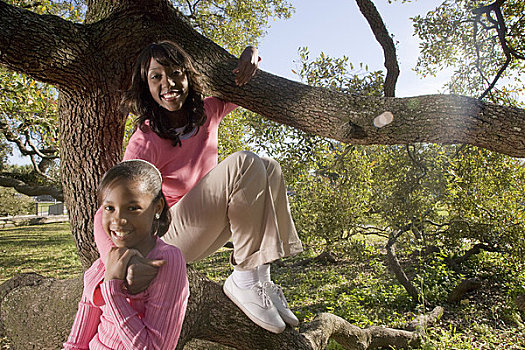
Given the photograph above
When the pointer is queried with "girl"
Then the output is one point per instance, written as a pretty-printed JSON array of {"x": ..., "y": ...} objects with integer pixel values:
[
  {"x": 134, "y": 215},
  {"x": 243, "y": 198}
]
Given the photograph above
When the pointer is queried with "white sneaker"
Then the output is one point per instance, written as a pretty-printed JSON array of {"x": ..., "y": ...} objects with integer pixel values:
[
  {"x": 256, "y": 304},
  {"x": 276, "y": 294}
]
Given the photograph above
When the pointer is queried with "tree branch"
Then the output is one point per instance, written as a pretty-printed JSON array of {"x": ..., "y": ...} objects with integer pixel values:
[
  {"x": 398, "y": 271},
  {"x": 31, "y": 189},
  {"x": 380, "y": 31},
  {"x": 54, "y": 45},
  {"x": 501, "y": 30}
]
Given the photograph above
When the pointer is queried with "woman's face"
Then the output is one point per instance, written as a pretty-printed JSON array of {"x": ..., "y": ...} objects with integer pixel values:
[{"x": 168, "y": 85}]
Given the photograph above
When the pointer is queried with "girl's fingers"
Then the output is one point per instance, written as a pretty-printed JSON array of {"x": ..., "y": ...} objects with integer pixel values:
[{"x": 117, "y": 262}]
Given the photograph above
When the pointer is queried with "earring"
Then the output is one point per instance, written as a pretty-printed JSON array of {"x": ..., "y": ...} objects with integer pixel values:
[{"x": 157, "y": 216}]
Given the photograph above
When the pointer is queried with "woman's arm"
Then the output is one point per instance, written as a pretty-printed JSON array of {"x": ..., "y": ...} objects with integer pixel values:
[
  {"x": 165, "y": 307},
  {"x": 247, "y": 65}
]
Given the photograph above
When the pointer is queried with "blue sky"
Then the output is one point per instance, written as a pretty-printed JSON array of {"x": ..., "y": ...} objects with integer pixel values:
[{"x": 337, "y": 28}]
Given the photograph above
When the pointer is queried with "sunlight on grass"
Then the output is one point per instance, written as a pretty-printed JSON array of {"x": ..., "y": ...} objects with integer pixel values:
[{"x": 48, "y": 250}]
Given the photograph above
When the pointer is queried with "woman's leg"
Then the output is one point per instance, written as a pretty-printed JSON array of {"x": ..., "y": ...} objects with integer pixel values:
[{"x": 243, "y": 197}]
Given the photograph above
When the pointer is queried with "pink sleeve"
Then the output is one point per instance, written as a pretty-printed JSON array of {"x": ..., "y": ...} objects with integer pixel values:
[
  {"x": 85, "y": 325},
  {"x": 166, "y": 302},
  {"x": 102, "y": 240},
  {"x": 142, "y": 145},
  {"x": 217, "y": 108}
]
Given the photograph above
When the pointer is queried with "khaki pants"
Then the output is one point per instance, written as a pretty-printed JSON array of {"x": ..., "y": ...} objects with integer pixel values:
[{"x": 242, "y": 198}]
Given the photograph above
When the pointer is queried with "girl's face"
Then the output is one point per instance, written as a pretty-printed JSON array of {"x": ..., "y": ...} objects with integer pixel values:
[
  {"x": 168, "y": 85},
  {"x": 128, "y": 214}
]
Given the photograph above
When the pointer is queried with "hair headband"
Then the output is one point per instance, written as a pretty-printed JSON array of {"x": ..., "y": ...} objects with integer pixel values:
[{"x": 146, "y": 162}]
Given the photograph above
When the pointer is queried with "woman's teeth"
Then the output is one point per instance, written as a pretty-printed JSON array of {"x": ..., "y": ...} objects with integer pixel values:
[
  {"x": 170, "y": 95},
  {"x": 120, "y": 233}
]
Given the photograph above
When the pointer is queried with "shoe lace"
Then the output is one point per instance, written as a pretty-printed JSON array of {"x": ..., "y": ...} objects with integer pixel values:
[
  {"x": 278, "y": 290},
  {"x": 266, "y": 301}
]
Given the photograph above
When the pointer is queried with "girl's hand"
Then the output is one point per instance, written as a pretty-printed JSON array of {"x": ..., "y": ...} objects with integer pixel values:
[
  {"x": 141, "y": 272},
  {"x": 247, "y": 65},
  {"x": 117, "y": 263}
]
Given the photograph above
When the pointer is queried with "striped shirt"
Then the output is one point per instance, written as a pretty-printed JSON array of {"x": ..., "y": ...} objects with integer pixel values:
[{"x": 110, "y": 318}]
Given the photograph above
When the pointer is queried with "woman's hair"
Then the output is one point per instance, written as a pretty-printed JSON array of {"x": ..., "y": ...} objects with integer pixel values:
[
  {"x": 148, "y": 177},
  {"x": 138, "y": 100}
]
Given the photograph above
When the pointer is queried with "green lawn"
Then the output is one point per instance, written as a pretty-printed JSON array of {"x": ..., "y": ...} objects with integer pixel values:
[
  {"x": 46, "y": 249},
  {"x": 358, "y": 287}
]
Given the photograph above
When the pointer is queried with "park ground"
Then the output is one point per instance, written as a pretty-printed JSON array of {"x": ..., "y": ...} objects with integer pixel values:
[{"x": 357, "y": 287}]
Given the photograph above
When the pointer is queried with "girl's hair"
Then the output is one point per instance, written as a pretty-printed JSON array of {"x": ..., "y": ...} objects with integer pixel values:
[
  {"x": 138, "y": 100},
  {"x": 148, "y": 177}
]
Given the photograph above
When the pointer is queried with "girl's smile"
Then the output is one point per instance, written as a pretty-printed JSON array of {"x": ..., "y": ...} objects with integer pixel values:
[{"x": 128, "y": 215}]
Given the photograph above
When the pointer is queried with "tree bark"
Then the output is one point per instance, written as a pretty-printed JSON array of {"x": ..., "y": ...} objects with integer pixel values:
[
  {"x": 378, "y": 27},
  {"x": 37, "y": 312}
]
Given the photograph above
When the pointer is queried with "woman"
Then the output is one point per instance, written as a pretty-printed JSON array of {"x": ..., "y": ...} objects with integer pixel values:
[{"x": 243, "y": 198}]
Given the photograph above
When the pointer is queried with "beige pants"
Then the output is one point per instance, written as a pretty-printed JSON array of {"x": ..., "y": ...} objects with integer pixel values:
[{"x": 242, "y": 198}]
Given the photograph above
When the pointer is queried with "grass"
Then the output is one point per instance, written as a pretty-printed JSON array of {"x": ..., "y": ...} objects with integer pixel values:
[
  {"x": 358, "y": 287},
  {"x": 46, "y": 249}
]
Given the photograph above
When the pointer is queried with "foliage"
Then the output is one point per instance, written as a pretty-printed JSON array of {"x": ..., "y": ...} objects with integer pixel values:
[
  {"x": 448, "y": 42},
  {"x": 233, "y": 24},
  {"x": 13, "y": 203}
]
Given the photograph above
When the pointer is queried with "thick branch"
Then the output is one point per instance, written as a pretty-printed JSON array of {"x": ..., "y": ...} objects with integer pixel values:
[
  {"x": 441, "y": 119},
  {"x": 43, "y": 47},
  {"x": 31, "y": 189},
  {"x": 380, "y": 31},
  {"x": 47, "y": 307}
]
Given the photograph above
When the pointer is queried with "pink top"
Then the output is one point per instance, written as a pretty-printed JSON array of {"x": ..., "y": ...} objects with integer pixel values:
[
  {"x": 181, "y": 167},
  {"x": 110, "y": 318}
]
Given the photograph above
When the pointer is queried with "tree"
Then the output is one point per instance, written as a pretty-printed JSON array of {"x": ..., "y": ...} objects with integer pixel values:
[
  {"x": 483, "y": 43},
  {"x": 91, "y": 63}
]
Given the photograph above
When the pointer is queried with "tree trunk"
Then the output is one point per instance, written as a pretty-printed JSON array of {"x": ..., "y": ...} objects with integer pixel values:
[
  {"x": 37, "y": 312},
  {"x": 91, "y": 143}
]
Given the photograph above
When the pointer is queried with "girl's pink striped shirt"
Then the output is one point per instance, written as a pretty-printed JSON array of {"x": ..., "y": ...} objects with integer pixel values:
[{"x": 110, "y": 318}]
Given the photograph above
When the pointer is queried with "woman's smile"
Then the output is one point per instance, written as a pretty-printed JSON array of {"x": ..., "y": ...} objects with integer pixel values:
[{"x": 168, "y": 85}]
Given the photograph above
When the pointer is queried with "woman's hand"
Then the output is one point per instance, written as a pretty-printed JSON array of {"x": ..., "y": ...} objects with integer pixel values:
[
  {"x": 141, "y": 272},
  {"x": 247, "y": 65},
  {"x": 117, "y": 263}
]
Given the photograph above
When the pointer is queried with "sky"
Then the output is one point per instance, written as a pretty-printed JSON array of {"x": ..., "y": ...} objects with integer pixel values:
[{"x": 337, "y": 28}]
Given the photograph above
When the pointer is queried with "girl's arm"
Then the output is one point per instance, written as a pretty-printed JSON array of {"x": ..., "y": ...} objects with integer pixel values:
[
  {"x": 86, "y": 321},
  {"x": 84, "y": 327},
  {"x": 165, "y": 307},
  {"x": 102, "y": 240}
]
